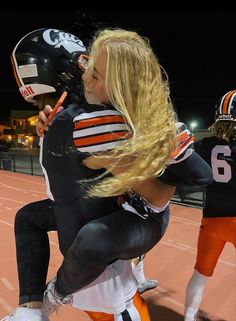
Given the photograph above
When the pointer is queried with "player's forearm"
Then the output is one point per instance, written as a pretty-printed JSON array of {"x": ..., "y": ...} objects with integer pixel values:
[{"x": 155, "y": 192}]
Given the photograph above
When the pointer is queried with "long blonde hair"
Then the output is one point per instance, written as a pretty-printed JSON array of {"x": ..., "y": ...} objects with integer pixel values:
[
  {"x": 136, "y": 87},
  {"x": 224, "y": 129}
]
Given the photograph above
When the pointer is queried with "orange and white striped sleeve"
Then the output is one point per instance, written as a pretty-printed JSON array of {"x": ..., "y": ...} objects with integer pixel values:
[
  {"x": 100, "y": 130},
  {"x": 185, "y": 144}
]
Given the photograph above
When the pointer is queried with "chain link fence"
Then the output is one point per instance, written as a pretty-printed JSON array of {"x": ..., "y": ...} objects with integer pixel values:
[
  {"x": 28, "y": 162},
  {"x": 21, "y": 162}
]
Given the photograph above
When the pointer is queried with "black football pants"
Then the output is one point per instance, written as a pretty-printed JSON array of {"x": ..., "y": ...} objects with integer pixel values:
[
  {"x": 88, "y": 248},
  {"x": 120, "y": 235}
]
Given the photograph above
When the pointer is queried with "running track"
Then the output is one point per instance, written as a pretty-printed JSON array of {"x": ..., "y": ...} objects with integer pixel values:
[{"x": 171, "y": 261}]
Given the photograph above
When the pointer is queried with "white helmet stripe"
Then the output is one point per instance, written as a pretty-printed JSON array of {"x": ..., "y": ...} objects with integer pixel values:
[
  {"x": 230, "y": 102},
  {"x": 14, "y": 61}
]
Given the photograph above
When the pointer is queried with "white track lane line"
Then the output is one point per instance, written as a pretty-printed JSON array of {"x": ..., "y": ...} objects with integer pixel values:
[
  {"x": 183, "y": 247},
  {"x": 12, "y": 200},
  {"x": 11, "y": 225},
  {"x": 23, "y": 179},
  {"x": 7, "y": 284},
  {"x": 6, "y": 306},
  {"x": 184, "y": 220},
  {"x": 3, "y": 185}
]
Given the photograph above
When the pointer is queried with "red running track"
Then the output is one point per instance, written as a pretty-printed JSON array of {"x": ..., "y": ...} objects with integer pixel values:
[{"x": 171, "y": 261}]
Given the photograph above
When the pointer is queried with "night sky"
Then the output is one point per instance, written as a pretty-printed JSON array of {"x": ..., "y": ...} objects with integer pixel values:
[{"x": 197, "y": 48}]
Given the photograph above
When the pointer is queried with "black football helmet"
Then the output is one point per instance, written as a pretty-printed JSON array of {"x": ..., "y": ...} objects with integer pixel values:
[
  {"x": 45, "y": 61},
  {"x": 226, "y": 108}
]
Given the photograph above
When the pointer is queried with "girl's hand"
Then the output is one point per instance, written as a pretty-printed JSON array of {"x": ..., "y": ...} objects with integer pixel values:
[{"x": 42, "y": 120}]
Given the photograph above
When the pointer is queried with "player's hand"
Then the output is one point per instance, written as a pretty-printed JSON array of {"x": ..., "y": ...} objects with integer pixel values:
[{"x": 42, "y": 120}]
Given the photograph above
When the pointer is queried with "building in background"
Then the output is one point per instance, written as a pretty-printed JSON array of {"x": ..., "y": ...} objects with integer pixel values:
[{"x": 21, "y": 131}]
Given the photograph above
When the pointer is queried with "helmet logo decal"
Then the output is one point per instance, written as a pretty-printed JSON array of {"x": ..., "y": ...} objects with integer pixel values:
[
  {"x": 226, "y": 108},
  {"x": 57, "y": 39},
  {"x": 27, "y": 91}
]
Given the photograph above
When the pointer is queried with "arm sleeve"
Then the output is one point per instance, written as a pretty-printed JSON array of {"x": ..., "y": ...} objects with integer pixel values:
[
  {"x": 185, "y": 141},
  {"x": 192, "y": 171},
  {"x": 99, "y": 130},
  {"x": 186, "y": 168}
]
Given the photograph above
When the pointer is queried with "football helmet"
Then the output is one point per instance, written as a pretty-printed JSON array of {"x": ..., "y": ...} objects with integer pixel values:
[
  {"x": 226, "y": 108},
  {"x": 45, "y": 61}
]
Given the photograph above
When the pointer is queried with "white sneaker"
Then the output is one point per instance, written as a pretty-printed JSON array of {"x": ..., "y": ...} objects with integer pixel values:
[
  {"x": 51, "y": 301},
  {"x": 147, "y": 285},
  {"x": 26, "y": 314}
]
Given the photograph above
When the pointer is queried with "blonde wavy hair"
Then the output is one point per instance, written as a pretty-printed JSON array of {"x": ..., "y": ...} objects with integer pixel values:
[
  {"x": 224, "y": 129},
  {"x": 138, "y": 87}
]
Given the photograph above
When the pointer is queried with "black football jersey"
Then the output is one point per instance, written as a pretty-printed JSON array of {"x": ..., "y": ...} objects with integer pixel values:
[
  {"x": 221, "y": 193},
  {"x": 61, "y": 161}
]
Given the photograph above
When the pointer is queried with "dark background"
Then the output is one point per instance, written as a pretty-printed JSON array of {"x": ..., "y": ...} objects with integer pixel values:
[{"x": 197, "y": 48}]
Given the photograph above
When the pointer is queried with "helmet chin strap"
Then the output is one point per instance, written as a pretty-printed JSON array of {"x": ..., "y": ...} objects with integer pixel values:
[{"x": 71, "y": 95}]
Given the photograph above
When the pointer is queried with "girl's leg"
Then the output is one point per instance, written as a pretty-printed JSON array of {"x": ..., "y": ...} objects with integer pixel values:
[
  {"x": 32, "y": 223},
  {"x": 69, "y": 221},
  {"x": 120, "y": 235}
]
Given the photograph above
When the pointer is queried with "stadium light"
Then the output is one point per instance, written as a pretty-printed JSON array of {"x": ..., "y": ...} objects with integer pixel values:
[{"x": 193, "y": 124}]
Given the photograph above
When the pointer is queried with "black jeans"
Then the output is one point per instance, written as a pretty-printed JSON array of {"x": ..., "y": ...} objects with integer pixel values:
[{"x": 32, "y": 222}]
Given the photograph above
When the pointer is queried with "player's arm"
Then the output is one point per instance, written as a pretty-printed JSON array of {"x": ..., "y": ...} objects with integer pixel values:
[
  {"x": 187, "y": 167},
  {"x": 100, "y": 131},
  {"x": 191, "y": 171}
]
